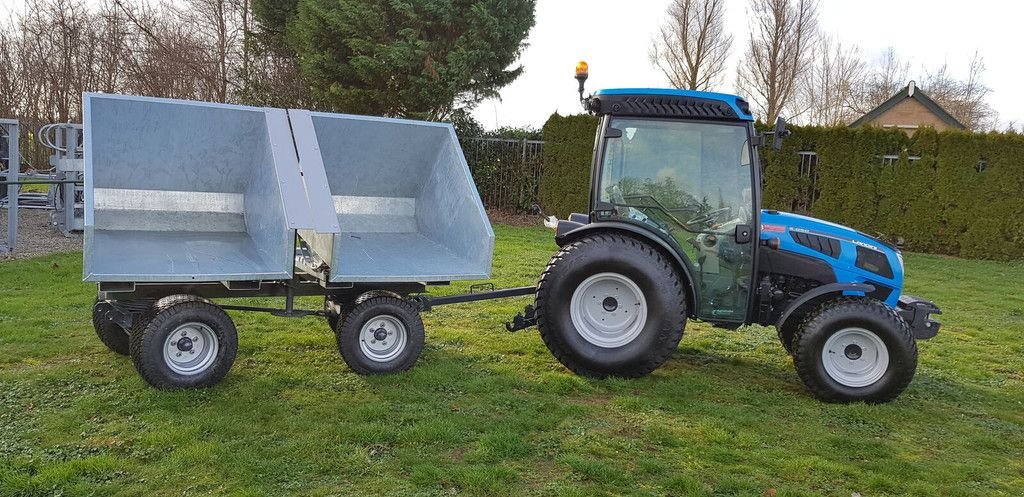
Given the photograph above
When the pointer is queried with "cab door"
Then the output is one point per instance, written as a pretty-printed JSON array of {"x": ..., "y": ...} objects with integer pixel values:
[{"x": 693, "y": 184}]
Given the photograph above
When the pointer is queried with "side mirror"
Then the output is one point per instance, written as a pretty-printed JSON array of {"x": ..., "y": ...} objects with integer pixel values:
[{"x": 780, "y": 133}]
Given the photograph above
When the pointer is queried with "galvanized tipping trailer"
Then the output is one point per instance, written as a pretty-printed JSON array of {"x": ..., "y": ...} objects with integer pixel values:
[
  {"x": 188, "y": 201},
  {"x": 191, "y": 201}
]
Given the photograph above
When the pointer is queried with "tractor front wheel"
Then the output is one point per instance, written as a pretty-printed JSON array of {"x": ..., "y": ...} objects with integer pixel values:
[
  {"x": 611, "y": 305},
  {"x": 855, "y": 350}
]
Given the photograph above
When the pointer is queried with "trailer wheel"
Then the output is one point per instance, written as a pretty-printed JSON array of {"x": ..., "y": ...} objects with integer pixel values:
[
  {"x": 381, "y": 335},
  {"x": 610, "y": 305},
  {"x": 110, "y": 333},
  {"x": 332, "y": 312},
  {"x": 855, "y": 350},
  {"x": 188, "y": 342}
]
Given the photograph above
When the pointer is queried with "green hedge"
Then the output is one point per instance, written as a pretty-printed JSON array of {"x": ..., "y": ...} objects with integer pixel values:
[
  {"x": 938, "y": 203},
  {"x": 568, "y": 148}
]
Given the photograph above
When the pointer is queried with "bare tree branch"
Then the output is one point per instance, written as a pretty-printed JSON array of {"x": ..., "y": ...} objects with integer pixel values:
[
  {"x": 831, "y": 84},
  {"x": 692, "y": 46},
  {"x": 776, "y": 56}
]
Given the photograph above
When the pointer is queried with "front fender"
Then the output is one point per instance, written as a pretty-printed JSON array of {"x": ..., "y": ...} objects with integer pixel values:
[
  {"x": 831, "y": 288},
  {"x": 676, "y": 256}
]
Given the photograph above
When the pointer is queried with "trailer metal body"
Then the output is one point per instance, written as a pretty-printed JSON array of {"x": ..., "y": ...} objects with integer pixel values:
[{"x": 188, "y": 201}]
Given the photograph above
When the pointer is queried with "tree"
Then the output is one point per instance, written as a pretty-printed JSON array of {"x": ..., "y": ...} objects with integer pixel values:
[
  {"x": 965, "y": 99},
  {"x": 830, "y": 86},
  {"x": 422, "y": 58},
  {"x": 776, "y": 56},
  {"x": 692, "y": 46},
  {"x": 888, "y": 76}
]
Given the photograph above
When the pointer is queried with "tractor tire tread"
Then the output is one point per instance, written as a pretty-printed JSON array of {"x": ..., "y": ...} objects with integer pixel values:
[
  {"x": 560, "y": 351},
  {"x": 828, "y": 311}
]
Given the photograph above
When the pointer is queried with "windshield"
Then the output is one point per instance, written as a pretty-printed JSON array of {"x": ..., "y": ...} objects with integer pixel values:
[
  {"x": 687, "y": 175},
  {"x": 691, "y": 181}
]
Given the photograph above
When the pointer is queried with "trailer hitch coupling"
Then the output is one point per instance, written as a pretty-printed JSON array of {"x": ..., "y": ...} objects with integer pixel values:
[{"x": 523, "y": 320}]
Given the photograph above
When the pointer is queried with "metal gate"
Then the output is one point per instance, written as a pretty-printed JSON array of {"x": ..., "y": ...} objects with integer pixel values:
[{"x": 507, "y": 171}]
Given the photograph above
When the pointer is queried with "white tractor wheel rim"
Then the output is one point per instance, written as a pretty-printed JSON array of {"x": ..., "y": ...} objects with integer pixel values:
[
  {"x": 383, "y": 338},
  {"x": 608, "y": 310},
  {"x": 191, "y": 349},
  {"x": 855, "y": 357}
]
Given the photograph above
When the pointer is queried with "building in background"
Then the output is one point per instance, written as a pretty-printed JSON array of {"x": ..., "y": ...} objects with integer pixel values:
[{"x": 909, "y": 110}]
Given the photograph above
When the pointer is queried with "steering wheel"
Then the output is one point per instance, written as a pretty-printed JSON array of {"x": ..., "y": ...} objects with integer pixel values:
[{"x": 709, "y": 216}]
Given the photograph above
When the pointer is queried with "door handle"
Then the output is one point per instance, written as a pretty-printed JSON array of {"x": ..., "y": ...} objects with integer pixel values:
[{"x": 743, "y": 233}]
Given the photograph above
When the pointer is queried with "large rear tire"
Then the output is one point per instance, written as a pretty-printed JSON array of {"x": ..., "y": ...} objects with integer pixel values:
[
  {"x": 611, "y": 305},
  {"x": 855, "y": 350}
]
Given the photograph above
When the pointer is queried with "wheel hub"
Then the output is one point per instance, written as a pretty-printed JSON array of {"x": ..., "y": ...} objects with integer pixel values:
[
  {"x": 853, "y": 352},
  {"x": 608, "y": 310},
  {"x": 383, "y": 338},
  {"x": 855, "y": 357},
  {"x": 185, "y": 344},
  {"x": 191, "y": 349}
]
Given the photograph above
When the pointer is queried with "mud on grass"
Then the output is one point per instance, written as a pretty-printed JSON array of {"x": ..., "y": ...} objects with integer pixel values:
[{"x": 486, "y": 412}]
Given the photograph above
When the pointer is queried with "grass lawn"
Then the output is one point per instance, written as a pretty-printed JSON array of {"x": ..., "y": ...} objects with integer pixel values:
[{"x": 486, "y": 412}]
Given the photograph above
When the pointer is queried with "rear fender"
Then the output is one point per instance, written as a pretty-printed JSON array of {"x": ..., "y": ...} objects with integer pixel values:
[{"x": 681, "y": 263}]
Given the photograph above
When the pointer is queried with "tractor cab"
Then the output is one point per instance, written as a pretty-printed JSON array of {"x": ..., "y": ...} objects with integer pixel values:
[{"x": 679, "y": 164}]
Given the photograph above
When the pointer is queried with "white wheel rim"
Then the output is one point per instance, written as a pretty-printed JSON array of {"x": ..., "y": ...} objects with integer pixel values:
[
  {"x": 383, "y": 338},
  {"x": 855, "y": 357},
  {"x": 191, "y": 349},
  {"x": 608, "y": 310}
]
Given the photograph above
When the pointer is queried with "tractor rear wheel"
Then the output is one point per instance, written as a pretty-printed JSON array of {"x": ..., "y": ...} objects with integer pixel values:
[
  {"x": 611, "y": 305},
  {"x": 855, "y": 350}
]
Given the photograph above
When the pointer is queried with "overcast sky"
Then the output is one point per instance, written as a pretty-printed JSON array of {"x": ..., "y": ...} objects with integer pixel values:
[{"x": 614, "y": 36}]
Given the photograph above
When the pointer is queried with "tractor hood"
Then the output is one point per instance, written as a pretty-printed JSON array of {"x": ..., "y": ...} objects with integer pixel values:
[
  {"x": 789, "y": 219},
  {"x": 852, "y": 255}
]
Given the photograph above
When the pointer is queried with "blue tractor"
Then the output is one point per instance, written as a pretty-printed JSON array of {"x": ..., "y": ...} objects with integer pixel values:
[{"x": 675, "y": 232}]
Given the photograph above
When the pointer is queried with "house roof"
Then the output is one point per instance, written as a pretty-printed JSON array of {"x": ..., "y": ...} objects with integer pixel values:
[{"x": 909, "y": 91}]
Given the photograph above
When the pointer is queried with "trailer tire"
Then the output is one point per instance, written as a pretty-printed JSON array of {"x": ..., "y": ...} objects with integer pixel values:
[
  {"x": 332, "y": 312},
  {"x": 364, "y": 332},
  {"x": 186, "y": 342},
  {"x": 597, "y": 337},
  {"x": 110, "y": 333},
  {"x": 855, "y": 350}
]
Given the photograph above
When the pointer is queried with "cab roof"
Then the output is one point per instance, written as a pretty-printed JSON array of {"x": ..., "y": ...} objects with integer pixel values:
[{"x": 663, "y": 102}]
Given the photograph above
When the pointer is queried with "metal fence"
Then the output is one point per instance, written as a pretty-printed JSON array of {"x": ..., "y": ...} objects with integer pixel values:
[{"x": 507, "y": 171}]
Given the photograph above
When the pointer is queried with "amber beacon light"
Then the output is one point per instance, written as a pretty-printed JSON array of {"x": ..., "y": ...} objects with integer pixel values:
[{"x": 582, "y": 73}]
